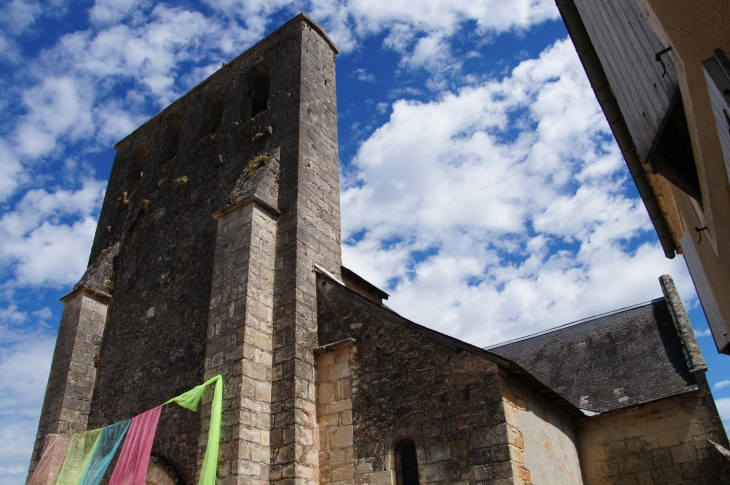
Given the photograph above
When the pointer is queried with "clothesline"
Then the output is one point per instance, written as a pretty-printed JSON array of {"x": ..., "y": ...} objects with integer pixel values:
[{"x": 82, "y": 459}]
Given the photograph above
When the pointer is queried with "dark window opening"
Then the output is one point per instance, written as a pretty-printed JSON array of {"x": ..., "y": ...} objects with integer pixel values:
[
  {"x": 256, "y": 91},
  {"x": 171, "y": 141},
  {"x": 214, "y": 113},
  {"x": 406, "y": 463},
  {"x": 138, "y": 161},
  {"x": 671, "y": 154}
]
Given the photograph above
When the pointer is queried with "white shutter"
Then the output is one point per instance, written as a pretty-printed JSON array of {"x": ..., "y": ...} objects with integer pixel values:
[
  {"x": 718, "y": 84},
  {"x": 712, "y": 313}
]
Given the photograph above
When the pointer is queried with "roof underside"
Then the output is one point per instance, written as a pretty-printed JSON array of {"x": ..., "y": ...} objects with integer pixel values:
[{"x": 612, "y": 361}]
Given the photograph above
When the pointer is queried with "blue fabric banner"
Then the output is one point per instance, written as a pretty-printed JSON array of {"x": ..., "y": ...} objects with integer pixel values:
[{"x": 110, "y": 439}]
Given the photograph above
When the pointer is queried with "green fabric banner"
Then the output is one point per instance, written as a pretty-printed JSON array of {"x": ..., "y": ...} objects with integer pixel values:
[
  {"x": 190, "y": 400},
  {"x": 78, "y": 457}
]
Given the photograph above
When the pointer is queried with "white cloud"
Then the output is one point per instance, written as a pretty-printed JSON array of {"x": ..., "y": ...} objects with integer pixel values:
[
  {"x": 704, "y": 333},
  {"x": 9, "y": 49},
  {"x": 373, "y": 15},
  {"x": 362, "y": 75},
  {"x": 18, "y": 15},
  {"x": 57, "y": 107},
  {"x": 10, "y": 169},
  {"x": 723, "y": 407},
  {"x": 109, "y": 11},
  {"x": 721, "y": 385},
  {"x": 25, "y": 359},
  {"x": 502, "y": 209},
  {"x": 42, "y": 239},
  {"x": 432, "y": 52}
]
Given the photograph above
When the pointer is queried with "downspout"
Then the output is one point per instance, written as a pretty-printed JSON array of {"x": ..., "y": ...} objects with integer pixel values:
[{"x": 609, "y": 105}]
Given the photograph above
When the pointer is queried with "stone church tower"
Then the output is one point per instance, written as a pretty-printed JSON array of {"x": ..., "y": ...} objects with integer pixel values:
[
  {"x": 218, "y": 252},
  {"x": 216, "y": 211}
]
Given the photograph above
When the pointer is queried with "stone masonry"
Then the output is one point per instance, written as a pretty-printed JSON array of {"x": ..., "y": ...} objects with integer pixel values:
[
  {"x": 73, "y": 369},
  {"x": 218, "y": 252},
  {"x": 217, "y": 210},
  {"x": 663, "y": 442},
  {"x": 383, "y": 379}
]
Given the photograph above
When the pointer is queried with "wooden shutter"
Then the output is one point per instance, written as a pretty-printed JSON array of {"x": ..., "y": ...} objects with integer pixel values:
[
  {"x": 717, "y": 74},
  {"x": 627, "y": 47},
  {"x": 712, "y": 312}
]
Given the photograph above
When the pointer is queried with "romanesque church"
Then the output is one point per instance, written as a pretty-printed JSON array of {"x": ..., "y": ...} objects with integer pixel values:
[{"x": 217, "y": 252}]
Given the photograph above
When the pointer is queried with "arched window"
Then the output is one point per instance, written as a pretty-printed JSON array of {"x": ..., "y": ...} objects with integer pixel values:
[
  {"x": 256, "y": 91},
  {"x": 172, "y": 139},
  {"x": 406, "y": 463},
  {"x": 213, "y": 113},
  {"x": 138, "y": 161}
]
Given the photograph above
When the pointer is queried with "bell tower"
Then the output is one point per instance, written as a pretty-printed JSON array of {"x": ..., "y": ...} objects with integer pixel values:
[{"x": 216, "y": 211}]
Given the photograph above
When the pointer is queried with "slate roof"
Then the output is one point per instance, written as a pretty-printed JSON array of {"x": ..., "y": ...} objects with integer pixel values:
[{"x": 619, "y": 359}]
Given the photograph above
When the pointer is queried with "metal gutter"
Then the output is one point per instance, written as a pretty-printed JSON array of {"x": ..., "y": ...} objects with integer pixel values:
[{"x": 602, "y": 89}]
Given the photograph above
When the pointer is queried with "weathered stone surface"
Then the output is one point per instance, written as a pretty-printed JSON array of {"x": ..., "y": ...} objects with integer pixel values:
[
  {"x": 661, "y": 442},
  {"x": 73, "y": 369},
  {"x": 202, "y": 156},
  {"x": 219, "y": 214},
  {"x": 404, "y": 384}
]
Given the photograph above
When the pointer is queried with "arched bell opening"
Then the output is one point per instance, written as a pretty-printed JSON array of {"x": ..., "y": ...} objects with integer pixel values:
[
  {"x": 213, "y": 115},
  {"x": 256, "y": 91}
]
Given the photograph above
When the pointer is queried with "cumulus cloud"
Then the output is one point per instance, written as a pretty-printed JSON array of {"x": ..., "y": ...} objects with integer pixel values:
[
  {"x": 57, "y": 107},
  {"x": 18, "y": 15},
  {"x": 502, "y": 209},
  {"x": 42, "y": 239},
  {"x": 26, "y": 348},
  {"x": 723, "y": 407},
  {"x": 703, "y": 333},
  {"x": 721, "y": 385},
  {"x": 363, "y": 75},
  {"x": 109, "y": 11}
]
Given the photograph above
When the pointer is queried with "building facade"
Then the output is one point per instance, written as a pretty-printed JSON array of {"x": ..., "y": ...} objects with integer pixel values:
[
  {"x": 218, "y": 252},
  {"x": 660, "y": 71}
]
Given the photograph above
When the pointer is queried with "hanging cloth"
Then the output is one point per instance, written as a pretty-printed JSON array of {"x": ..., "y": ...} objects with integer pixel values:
[
  {"x": 55, "y": 448},
  {"x": 131, "y": 468},
  {"x": 110, "y": 439},
  {"x": 78, "y": 456},
  {"x": 190, "y": 400}
]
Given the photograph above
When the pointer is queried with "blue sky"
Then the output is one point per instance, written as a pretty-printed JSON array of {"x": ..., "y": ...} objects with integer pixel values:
[{"x": 481, "y": 186}]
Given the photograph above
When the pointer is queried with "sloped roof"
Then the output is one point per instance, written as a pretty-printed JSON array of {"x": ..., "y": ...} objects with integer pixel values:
[{"x": 619, "y": 359}]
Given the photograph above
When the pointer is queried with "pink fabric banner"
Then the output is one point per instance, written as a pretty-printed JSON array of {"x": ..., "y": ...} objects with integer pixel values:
[
  {"x": 132, "y": 464},
  {"x": 54, "y": 452}
]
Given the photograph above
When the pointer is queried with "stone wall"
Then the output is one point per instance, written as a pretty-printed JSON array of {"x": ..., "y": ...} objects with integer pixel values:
[
  {"x": 542, "y": 437},
  {"x": 409, "y": 382},
  {"x": 663, "y": 442},
  {"x": 239, "y": 341},
  {"x": 73, "y": 369},
  {"x": 170, "y": 176},
  {"x": 334, "y": 413}
]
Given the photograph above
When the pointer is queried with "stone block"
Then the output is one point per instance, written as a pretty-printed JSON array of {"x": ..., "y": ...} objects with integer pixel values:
[
  {"x": 490, "y": 436},
  {"x": 340, "y": 437},
  {"x": 493, "y": 471},
  {"x": 668, "y": 439},
  {"x": 382, "y": 478},
  {"x": 439, "y": 452},
  {"x": 683, "y": 453}
]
